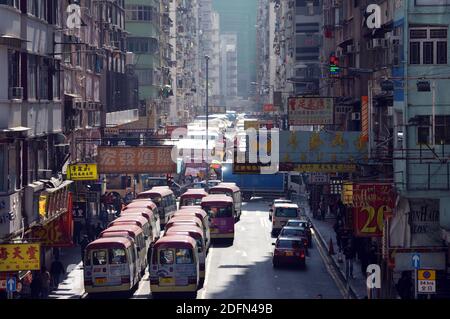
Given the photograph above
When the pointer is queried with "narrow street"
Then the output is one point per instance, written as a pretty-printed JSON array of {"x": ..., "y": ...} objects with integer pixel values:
[{"x": 243, "y": 270}]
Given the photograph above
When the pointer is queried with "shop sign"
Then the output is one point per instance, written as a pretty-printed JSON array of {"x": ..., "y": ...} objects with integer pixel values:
[
  {"x": 43, "y": 205},
  {"x": 322, "y": 147},
  {"x": 16, "y": 257},
  {"x": 135, "y": 160},
  {"x": 372, "y": 204},
  {"x": 318, "y": 168},
  {"x": 424, "y": 222},
  {"x": 310, "y": 111},
  {"x": 82, "y": 172},
  {"x": 57, "y": 233}
]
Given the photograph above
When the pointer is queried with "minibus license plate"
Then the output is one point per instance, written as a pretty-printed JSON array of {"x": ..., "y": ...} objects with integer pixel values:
[
  {"x": 100, "y": 281},
  {"x": 166, "y": 281}
]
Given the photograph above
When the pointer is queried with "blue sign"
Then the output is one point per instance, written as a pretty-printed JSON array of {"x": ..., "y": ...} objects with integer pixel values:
[
  {"x": 416, "y": 261},
  {"x": 303, "y": 147},
  {"x": 11, "y": 285}
]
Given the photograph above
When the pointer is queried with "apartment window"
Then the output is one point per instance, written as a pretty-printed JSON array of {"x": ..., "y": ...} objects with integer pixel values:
[
  {"x": 139, "y": 13},
  {"x": 56, "y": 81},
  {"x": 145, "y": 77},
  {"x": 423, "y": 130},
  {"x": 442, "y": 129},
  {"x": 3, "y": 173},
  {"x": 310, "y": 8},
  {"x": 12, "y": 3},
  {"x": 43, "y": 79},
  {"x": 13, "y": 69},
  {"x": 32, "y": 77},
  {"x": 428, "y": 46},
  {"x": 38, "y": 8}
]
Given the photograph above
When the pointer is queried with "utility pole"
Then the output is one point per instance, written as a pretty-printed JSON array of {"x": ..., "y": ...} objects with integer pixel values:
[{"x": 207, "y": 121}]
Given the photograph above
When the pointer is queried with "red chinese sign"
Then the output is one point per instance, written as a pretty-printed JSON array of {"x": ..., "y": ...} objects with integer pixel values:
[
  {"x": 16, "y": 257},
  {"x": 57, "y": 233},
  {"x": 135, "y": 160},
  {"x": 268, "y": 108},
  {"x": 372, "y": 204}
]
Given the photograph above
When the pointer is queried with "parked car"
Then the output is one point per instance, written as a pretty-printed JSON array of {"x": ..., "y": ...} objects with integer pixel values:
[{"x": 289, "y": 251}]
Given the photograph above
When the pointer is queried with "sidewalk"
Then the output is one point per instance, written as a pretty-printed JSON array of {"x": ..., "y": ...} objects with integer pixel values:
[
  {"x": 325, "y": 231},
  {"x": 72, "y": 285}
]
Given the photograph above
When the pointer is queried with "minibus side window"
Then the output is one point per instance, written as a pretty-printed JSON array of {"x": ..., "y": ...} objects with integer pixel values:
[
  {"x": 184, "y": 256},
  {"x": 166, "y": 257},
  {"x": 117, "y": 256},
  {"x": 99, "y": 257},
  {"x": 88, "y": 258}
]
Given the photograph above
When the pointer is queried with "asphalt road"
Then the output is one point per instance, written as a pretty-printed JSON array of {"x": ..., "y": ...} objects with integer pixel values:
[{"x": 244, "y": 270}]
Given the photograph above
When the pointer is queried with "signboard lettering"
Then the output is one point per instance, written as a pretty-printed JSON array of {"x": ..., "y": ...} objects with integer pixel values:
[
  {"x": 15, "y": 257},
  {"x": 82, "y": 172},
  {"x": 371, "y": 205},
  {"x": 310, "y": 111},
  {"x": 135, "y": 160}
]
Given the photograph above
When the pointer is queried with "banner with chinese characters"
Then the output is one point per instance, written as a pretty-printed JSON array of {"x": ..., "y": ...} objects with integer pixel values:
[
  {"x": 322, "y": 147},
  {"x": 135, "y": 160},
  {"x": 317, "y": 168},
  {"x": 310, "y": 110},
  {"x": 16, "y": 257},
  {"x": 82, "y": 172},
  {"x": 57, "y": 233},
  {"x": 372, "y": 204}
]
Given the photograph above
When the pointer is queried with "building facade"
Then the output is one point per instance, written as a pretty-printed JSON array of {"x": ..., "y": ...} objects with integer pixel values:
[{"x": 229, "y": 67}]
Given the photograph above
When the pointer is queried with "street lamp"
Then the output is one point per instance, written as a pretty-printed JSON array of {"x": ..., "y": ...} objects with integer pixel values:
[{"x": 207, "y": 121}]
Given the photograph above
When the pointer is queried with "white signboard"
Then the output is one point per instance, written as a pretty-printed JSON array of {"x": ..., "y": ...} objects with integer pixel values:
[
  {"x": 426, "y": 286},
  {"x": 424, "y": 221}
]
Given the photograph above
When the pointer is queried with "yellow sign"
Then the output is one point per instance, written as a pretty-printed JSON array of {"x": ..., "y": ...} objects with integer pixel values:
[
  {"x": 43, "y": 205},
  {"x": 16, "y": 257},
  {"x": 82, "y": 172},
  {"x": 425, "y": 274},
  {"x": 251, "y": 124},
  {"x": 347, "y": 193}
]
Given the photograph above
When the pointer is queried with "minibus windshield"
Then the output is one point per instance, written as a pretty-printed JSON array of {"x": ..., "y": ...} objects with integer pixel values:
[
  {"x": 286, "y": 212},
  {"x": 219, "y": 212}
]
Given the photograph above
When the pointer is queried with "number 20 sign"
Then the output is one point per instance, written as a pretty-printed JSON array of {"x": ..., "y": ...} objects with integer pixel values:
[{"x": 372, "y": 204}]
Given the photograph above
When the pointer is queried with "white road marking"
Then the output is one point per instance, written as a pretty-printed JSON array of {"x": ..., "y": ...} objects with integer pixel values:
[
  {"x": 208, "y": 267},
  {"x": 142, "y": 284}
]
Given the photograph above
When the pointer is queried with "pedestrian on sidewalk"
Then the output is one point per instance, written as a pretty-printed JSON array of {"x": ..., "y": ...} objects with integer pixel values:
[
  {"x": 405, "y": 286},
  {"x": 349, "y": 253},
  {"x": 91, "y": 231},
  {"x": 83, "y": 246},
  {"x": 104, "y": 216},
  {"x": 36, "y": 285},
  {"x": 98, "y": 230},
  {"x": 46, "y": 280},
  {"x": 56, "y": 271},
  {"x": 76, "y": 232},
  {"x": 338, "y": 230}
]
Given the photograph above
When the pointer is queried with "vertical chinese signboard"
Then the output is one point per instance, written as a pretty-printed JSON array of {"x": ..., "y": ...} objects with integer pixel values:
[
  {"x": 365, "y": 117},
  {"x": 135, "y": 160},
  {"x": 16, "y": 257},
  {"x": 57, "y": 233},
  {"x": 310, "y": 111},
  {"x": 372, "y": 203}
]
